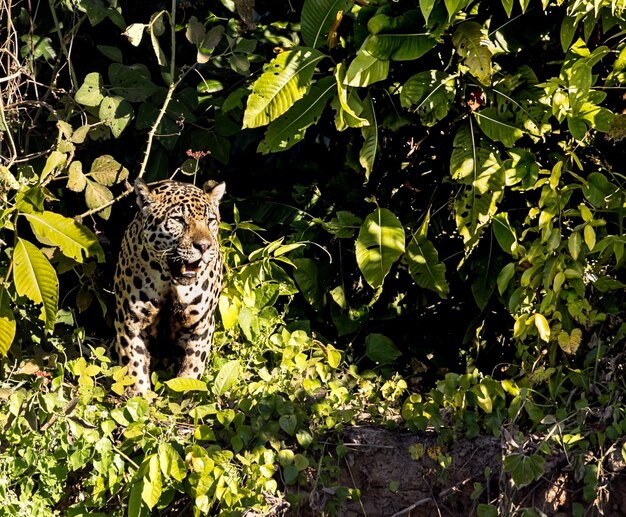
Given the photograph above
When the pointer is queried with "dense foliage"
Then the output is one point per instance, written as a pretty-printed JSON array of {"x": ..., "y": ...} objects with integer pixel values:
[{"x": 424, "y": 229}]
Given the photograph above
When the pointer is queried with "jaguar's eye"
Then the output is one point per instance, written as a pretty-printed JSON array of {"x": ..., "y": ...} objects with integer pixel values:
[{"x": 178, "y": 219}]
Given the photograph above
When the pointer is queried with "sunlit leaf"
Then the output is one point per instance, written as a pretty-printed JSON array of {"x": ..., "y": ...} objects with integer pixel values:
[
  {"x": 424, "y": 265},
  {"x": 227, "y": 376},
  {"x": 7, "y": 322},
  {"x": 430, "y": 94},
  {"x": 36, "y": 279},
  {"x": 379, "y": 244},
  {"x": 497, "y": 128},
  {"x": 75, "y": 240},
  {"x": 475, "y": 49},
  {"x": 366, "y": 69},
  {"x": 367, "y": 154},
  {"x": 185, "y": 384},
  {"x": 286, "y": 79},
  {"x": 289, "y": 129}
]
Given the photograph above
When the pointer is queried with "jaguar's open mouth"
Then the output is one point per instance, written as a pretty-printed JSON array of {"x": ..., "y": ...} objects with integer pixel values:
[{"x": 181, "y": 269}]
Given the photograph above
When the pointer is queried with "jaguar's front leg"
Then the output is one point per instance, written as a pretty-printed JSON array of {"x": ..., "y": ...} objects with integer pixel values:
[{"x": 195, "y": 314}]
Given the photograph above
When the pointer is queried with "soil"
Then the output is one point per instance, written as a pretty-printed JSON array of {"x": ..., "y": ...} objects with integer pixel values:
[{"x": 398, "y": 474}]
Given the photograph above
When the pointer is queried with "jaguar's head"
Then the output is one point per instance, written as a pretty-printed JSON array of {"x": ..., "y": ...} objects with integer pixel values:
[{"x": 180, "y": 225}]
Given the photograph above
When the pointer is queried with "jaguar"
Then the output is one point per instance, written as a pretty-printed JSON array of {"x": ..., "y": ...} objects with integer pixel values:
[{"x": 168, "y": 279}]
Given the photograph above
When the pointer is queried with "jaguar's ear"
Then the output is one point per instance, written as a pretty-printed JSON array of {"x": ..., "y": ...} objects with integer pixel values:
[
  {"x": 214, "y": 190},
  {"x": 144, "y": 196}
]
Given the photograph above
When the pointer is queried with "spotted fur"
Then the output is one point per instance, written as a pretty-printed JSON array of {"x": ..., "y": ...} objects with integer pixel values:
[{"x": 168, "y": 279}]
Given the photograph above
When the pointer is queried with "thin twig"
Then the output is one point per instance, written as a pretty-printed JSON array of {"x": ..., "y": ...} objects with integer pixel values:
[{"x": 427, "y": 500}]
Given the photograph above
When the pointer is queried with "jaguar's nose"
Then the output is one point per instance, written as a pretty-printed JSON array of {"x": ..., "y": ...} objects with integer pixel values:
[{"x": 202, "y": 245}]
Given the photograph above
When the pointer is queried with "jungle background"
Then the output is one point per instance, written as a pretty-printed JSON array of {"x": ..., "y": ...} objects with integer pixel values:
[{"x": 423, "y": 311}]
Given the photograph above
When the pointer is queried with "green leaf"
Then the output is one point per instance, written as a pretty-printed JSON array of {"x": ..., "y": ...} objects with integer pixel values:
[
  {"x": 7, "y": 322},
  {"x": 91, "y": 92},
  {"x": 524, "y": 469},
  {"x": 290, "y": 128},
  {"x": 497, "y": 128},
  {"x": 474, "y": 47},
  {"x": 504, "y": 232},
  {"x": 505, "y": 277},
  {"x": 543, "y": 327},
  {"x": 367, "y": 154},
  {"x": 75, "y": 240},
  {"x": 379, "y": 244},
  {"x": 116, "y": 113},
  {"x": 131, "y": 82},
  {"x": 366, "y": 69},
  {"x": 152, "y": 485},
  {"x": 135, "y": 504},
  {"x": 398, "y": 47},
  {"x": 430, "y": 94},
  {"x": 36, "y": 279},
  {"x": 306, "y": 277},
  {"x": 184, "y": 384},
  {"x": 424, "y": 265},
  {"x": 508, "y": 7},
  {"x": 381, "y": 349},
  {"x": 288, "y": 423},
  {"x": 108, "y": 171},
  {"x": 317, "y": 18},
  {"x": 227, "y": 376},
  {"x": 426, "y": 6},
  {"x": 172, "y": 465},
  {"x": 285, "y": 80},
  {"x": 97, "y": 195}
]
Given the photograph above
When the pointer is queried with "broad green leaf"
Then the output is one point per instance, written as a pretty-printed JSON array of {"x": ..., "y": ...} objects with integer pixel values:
[
  {"x": 398, "y": 47},
  {"x": 7, "y": 322},
  {"x": 543, "y": 327},
  {"x": 473, "y": 212},
  {"x": 381, "y": 349},
  {"x": 426, "y": 6},
  {"x": 508, "y": 7},
  {"x": 135, "y": 504},
  {"x": 285, "y": 80},
  {"x": 570, "y": 343},
  {"x": 76, "y": 180},
  {"x": 306, "y": 277},
  {"x": 317, "y": 18},
  {"x": 505, "y": 277},
  {"x": 379, "y": 244},
  {"x": 524, "y": 469},
  {"x": 152, "y": 484},
  {"x": 55, "y": 161},
  {"x": 367, "y": 154},
  {"x": 227, "y": 376},
  {"x": 504, "y": 232},
  {"x": 131, "y": 82},
  {"x": 493, "y": 125},
  {"x": 424, "y": 265},
  {"x": 185, "y": 384},
  {"x": 36, "y": 279},
  {"x": 290, "y": 128},
  {"x": 116, "y": 113},
  {"x": 75, "y": 240},
  {"x": 474, "y": 47},
  {"x": 483, "y": 397},
  {"x": 589, "y": 235},
  {"x": 108, "y": 171},
  {"x": 172, "y": 465},
  {"x": 430, "y": 94},
  {"x": 97, "y": 195},
  {"x": 91, "y": 91},
  {"x": 452, "y": 6},
  {"x": 365, "y": 69},
  {"x": 347, "y": 104}
]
